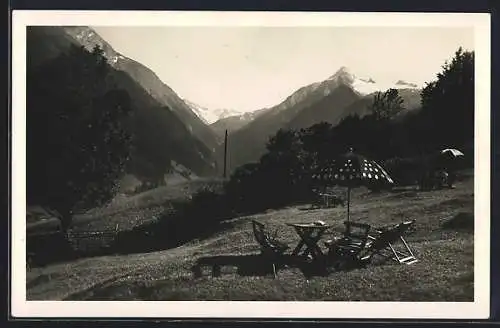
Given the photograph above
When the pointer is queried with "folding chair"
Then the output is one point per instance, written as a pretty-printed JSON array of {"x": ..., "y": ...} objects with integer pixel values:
[
  {"x": 272, "y": 249},
  {"x": 386, "y": 244}
]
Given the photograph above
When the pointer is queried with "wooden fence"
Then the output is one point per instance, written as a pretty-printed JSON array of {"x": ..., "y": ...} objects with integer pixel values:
[{"x": 91, "y": 241}]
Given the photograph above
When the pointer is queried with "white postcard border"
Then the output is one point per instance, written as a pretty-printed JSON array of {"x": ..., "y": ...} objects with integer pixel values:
[{"x": 350, "y": 310}]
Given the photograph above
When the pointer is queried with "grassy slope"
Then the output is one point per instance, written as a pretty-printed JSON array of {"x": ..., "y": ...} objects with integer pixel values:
[
  {"x": 130, "y": 211},
  {"x": 444, "y": 272}
]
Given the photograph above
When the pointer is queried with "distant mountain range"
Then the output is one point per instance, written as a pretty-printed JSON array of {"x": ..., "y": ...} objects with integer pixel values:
[
  {"x": 234, "y": 123},
  {"x": 210, "y": 116},
  {"x": 366, "y": 85},
  {"x": 221, "y": 120},
  {"x": 233, "y": 120},
  {"x": 339, "y": 96}
]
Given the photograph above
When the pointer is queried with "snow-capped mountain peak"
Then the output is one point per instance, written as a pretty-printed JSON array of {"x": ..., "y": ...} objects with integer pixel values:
[
  {"x": 343, "y": 76},
  {"x": 210, "y": 116},
  {"x": 342, "y": 71},
  {"x": 366, "y": 85}
]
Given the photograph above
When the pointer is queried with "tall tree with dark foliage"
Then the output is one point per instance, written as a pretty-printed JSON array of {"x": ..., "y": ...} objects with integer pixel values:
[
  {"x": 77, "y": 145},
  {"x": 448, "y": 102},
  {"x": 387, "y": 104},
  {"x": 282, "y": 165}
]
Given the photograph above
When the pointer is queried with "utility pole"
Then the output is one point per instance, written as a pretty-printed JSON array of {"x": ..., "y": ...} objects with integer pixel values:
[{"x": 225, "y": 155}]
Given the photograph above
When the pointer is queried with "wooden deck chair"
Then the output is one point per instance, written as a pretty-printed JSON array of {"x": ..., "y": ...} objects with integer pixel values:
[
  {"x": 271, "y": 248},
  {"x": 386, "y": 244},
  {"x": 351, "y": 244}
]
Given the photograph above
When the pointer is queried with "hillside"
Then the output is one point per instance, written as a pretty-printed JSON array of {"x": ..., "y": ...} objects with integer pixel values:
[
  {"x": 329, "y": 109},
  {"x": 161, "y": 134},
  {"x": 148, "y": 80},
  {"x": 248, "y": 143},
  {"x": 444, "y": 272}
]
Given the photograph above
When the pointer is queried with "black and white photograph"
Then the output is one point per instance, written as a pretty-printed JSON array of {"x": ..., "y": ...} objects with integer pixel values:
[{"x": 331, "y": 163}]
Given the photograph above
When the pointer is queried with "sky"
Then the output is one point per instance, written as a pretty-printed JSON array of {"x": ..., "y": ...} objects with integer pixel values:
[{"x": 247, "y": 68}]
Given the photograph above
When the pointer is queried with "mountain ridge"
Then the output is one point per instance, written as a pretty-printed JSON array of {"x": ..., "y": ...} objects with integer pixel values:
[
  {"x": 149, "y": 80},
  {"x": 162, "y": 136},
  {"x": 306, "y": 106}
]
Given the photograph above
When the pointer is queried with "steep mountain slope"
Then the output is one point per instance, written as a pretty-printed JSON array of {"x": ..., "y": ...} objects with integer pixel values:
[
  {"x": 340, "y": 95},
  {"x": 160, "y": 134},
  {"x": 329, "y": 109},
  {"x": 149, "y": 81},
  {"x": 45, "y": 43},
  {"x": 248, "y": 143}
]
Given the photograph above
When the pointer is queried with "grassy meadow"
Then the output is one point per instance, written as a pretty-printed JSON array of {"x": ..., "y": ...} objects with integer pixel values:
[{"x": 443, "y": 242}]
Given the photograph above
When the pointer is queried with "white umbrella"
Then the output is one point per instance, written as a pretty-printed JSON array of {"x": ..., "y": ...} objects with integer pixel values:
[{"x": 453, "y": 152}]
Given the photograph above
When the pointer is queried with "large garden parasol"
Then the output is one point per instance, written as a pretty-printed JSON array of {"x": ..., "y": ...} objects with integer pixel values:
[{"x": 353, "y": 170}]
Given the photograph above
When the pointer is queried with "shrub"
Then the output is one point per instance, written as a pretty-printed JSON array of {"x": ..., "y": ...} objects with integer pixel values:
[
  {"x": 404, "y": 171},
  {"x": 207, "y": 206},
  {"x": 184, "y": 221}
]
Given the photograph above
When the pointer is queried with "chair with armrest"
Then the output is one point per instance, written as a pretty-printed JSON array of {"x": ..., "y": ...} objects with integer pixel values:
[
  {"x": 349, "y": 247},
  {"x": 272, "y": 250}
]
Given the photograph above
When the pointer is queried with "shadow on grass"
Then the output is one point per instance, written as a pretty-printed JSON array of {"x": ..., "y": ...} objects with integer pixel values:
[
  {"x": 314, "y": 207},
  {"x": 151, "y": 237},
  {"x": 258, "y": 265}
]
